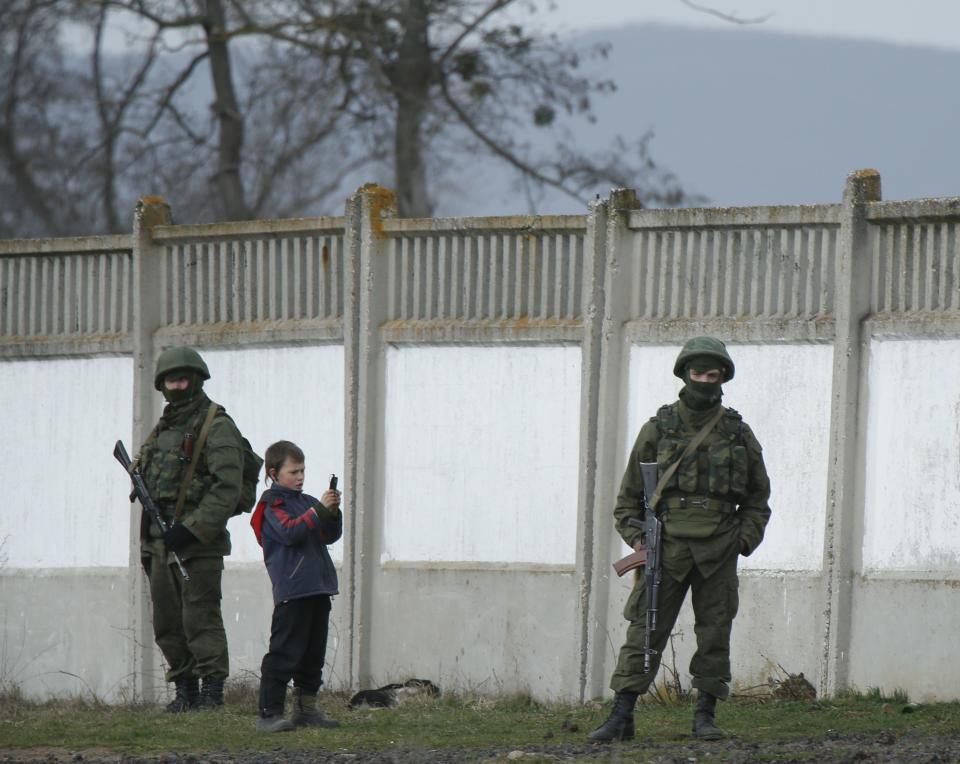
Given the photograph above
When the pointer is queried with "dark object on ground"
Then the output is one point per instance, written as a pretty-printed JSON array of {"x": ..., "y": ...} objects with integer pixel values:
[
  {"x": 794, "y": 687},
  {"x": 391, "y": 694}
]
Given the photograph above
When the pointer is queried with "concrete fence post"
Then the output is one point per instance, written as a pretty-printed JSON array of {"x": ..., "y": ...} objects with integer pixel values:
[
  {"x": 843, "y": 539},
  {"x": 364, "y": 310},
  {"x": 147, "y": 304},
  {"x": 593, "y": 301},
  {"x": 607, "y": 250}
]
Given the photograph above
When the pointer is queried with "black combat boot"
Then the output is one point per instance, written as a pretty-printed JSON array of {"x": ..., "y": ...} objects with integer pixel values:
[
  {"x": 619, "y": 725},
  {"x": 305, "y": 712},
  {"x": 211, "y": 694},
  {"x": 703, "y": 725},
  {"x": 188, "y": 692}
]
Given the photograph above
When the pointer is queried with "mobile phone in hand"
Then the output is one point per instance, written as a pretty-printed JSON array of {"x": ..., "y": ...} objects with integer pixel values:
[{"x": 333, "y": 482}]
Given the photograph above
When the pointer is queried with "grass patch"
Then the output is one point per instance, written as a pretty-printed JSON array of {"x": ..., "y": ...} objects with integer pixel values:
[{"x": 462, "y": 722}]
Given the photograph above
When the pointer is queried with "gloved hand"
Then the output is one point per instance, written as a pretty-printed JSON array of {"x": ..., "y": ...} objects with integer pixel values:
[{"x": 177, "y": 536}]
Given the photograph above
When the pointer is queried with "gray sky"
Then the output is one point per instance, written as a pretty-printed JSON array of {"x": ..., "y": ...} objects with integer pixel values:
[{"x": 932, "y": 23}]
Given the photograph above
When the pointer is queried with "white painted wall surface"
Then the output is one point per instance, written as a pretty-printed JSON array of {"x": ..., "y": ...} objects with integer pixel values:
[
  {"x": 912, "y": 478},
  {"x": 66, "y": 503},
  {"x": 782, "y": 391},
  {"x": 481, "y": 459},
  {"x": 283, "y": 393}
]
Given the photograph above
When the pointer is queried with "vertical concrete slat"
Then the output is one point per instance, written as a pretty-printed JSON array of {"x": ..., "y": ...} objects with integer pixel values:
[
  {"x": 225, "y": 261},
  {"x": 607, "y": 256},
  {"x": 35, "y": 291},
  {"x": 843, "y": 531},
  {"x": 147, "y": 303},
  {"x": 366, "y": 285}
]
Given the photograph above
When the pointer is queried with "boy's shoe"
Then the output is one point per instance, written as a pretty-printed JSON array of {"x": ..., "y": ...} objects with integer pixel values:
[
  {"x": 275, "y": 723},
  {"x": 305, "y": 713}
]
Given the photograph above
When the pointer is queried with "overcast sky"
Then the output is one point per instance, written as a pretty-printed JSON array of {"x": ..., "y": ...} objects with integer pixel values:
[
  {"x": 930, "y": 23},
  {"x": 933, "y": 23}
]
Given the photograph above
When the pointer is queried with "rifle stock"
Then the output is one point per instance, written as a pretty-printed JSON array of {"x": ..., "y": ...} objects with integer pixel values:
[{"x": 146, "y": 500}]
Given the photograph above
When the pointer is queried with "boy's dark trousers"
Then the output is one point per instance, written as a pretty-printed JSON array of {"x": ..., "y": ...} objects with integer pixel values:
[{"x": 298, "y": 643}]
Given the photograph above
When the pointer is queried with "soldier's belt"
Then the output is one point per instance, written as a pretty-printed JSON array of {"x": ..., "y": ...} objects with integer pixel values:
[{"x": 700, "y": 502}]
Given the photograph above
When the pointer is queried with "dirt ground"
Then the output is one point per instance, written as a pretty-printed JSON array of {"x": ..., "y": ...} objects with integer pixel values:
[{"x": 884, "y": 747}]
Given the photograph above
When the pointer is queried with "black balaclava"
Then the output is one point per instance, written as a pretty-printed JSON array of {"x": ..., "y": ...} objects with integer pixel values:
[
  {"x": 182, "y": 396},
  {"x": 701, "y": 396}
]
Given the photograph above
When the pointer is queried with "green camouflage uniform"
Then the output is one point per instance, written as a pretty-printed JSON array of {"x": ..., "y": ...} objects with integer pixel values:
[
  {"x": 187, "y": 620},
  {"x": 715, "y": 500}
]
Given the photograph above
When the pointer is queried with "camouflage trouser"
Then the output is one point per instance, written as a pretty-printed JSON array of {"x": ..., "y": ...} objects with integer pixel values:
[
  {"x": 715, "y": 603},
  {"x": 187, "y": 623}
]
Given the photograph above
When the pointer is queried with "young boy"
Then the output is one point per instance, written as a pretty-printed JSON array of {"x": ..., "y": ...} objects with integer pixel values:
[{"x": 294, "y": 530}]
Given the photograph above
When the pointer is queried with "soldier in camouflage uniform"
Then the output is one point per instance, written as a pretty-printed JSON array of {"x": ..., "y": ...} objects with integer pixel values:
[
  {"x": 713, "y": 508},
  {"x": 187, "y": 622}
]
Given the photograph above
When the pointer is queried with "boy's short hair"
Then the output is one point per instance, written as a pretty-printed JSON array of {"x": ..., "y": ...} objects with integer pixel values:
[{"x": 277, "y": 453}]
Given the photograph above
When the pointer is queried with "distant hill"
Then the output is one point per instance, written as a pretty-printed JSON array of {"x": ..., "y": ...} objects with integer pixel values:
[{"x": 744, "y": 116}]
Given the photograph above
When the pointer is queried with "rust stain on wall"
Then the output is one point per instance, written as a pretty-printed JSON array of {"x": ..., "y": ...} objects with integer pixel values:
[{"x": 382, "y": 205}]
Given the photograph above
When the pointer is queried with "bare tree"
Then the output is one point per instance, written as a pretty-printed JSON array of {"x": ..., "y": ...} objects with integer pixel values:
[
  {"x": 35, "y": 106},
  {"x": 84, "y": 129},
  {"x": 436, "y": 77},
  {"x": 302, "y": 93}
]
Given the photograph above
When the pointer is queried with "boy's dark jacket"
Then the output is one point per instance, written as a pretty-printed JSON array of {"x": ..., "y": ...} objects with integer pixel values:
[{"x": 294, "y": 530}]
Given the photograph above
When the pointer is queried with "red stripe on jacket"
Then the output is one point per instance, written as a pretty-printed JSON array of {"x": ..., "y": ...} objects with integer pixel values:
[
  {"x": 288, "y": 521},
  {"x": 256, "y": 522}
]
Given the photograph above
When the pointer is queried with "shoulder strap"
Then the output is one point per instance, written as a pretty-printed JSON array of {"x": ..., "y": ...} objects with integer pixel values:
[
  {"x": 691, "y": 447},
  {"x": 667, "y": 418},
  {"x": 197, "y": 448}
]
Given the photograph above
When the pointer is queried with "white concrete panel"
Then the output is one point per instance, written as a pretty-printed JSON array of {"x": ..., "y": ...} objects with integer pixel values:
[
  {"x": 66, "y": 504},
  {"x": 283, "y": 393},
  {"x": 912, "y": 481},
  {"x": 482, "y": 454},
  {"x": 782, "y": 391}
]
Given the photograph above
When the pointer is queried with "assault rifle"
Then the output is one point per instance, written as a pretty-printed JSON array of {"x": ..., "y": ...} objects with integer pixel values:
[
  {"x": 649, "y": 557},
  {"x": 146, "y": 500}
]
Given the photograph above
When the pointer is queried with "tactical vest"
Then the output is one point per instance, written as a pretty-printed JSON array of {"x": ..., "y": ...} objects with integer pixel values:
[
  {"x": 719, "y": 468},
  {"x": 164, "y": 459}
]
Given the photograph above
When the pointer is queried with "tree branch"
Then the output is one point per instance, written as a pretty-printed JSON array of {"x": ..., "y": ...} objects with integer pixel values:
[{"x": 725, "y": 16}]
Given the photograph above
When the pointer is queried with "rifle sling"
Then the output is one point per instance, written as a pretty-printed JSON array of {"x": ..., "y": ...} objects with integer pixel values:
[
  {"x": 691, "y": 447},
  {"x": 198, "y": 447}
]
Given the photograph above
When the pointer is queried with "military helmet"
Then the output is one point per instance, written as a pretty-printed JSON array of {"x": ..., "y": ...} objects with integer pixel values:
[
  {"x": 172, "y": 359},
  {"x": 704, "y": 346}
]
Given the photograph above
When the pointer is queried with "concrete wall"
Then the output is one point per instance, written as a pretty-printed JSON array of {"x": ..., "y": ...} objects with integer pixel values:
[
  {"x": 481, "y": 454},
  {"x": 478, "y": 383}
]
